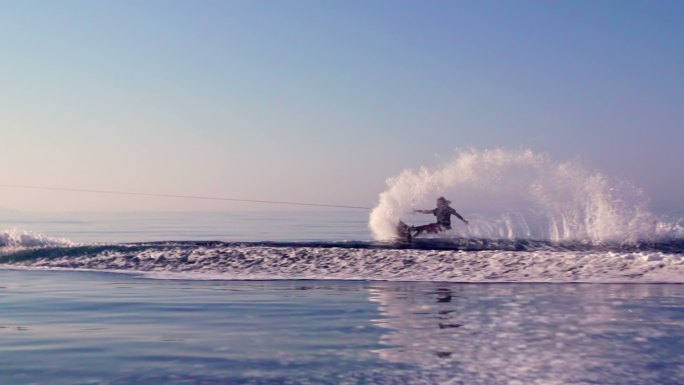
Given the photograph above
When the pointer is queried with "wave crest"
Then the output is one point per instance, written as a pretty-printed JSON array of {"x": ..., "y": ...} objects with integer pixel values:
[
  {"x": 15, "y": 238},
  {"x": 259, "y": 262}
]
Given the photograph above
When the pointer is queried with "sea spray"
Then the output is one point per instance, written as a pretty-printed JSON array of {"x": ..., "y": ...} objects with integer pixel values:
[
  {"x": 521, "y": 195},
  {"x": 15, "y": 238}
]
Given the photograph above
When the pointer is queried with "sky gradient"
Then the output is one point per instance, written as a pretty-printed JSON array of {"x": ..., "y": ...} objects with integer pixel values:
[{"x": 320, "y": 102}]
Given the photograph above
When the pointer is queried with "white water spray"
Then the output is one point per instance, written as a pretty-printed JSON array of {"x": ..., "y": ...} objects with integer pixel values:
[
  {"x": 521, "y": 195},
  {"x": 15, "y": 238}
]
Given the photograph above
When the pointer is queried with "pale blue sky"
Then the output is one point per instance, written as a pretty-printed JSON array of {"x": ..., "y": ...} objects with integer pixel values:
[{"x": 321, "y": 101}]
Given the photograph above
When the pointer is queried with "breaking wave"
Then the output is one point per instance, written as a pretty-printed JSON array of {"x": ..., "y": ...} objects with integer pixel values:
[
  {"x": 523, "y": 195},
  {"x": 15, "y": 238},
  {"x": 484, "y": 262}
]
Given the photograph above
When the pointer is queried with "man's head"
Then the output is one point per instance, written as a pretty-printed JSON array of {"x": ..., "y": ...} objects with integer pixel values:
[{"x": 441, "y": 201}]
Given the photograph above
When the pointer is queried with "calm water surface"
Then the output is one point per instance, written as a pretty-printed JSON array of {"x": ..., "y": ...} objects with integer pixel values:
[
  {"x": 106, "y": 328},
  {"x": 284, "y": 225}
]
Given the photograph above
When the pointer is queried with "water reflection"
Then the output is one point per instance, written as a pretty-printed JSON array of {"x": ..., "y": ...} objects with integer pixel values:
[{"x": 535, "y": 334}]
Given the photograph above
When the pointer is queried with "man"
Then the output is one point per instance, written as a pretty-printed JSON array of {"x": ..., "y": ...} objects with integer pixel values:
[{"x": 443, "y": 212}]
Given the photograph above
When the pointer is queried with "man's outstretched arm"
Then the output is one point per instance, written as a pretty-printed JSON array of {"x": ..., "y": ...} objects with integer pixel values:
[
  {"x": 460, "y": 217},
  {"x": 423, "y": 211}
]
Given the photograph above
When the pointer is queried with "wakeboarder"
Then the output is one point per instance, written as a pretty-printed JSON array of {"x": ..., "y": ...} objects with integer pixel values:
[{"x": 443, "y": 212}]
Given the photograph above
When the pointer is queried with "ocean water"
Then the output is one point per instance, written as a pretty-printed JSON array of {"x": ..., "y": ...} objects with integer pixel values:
[
  {"x": 272, "y": 225},
  {"x": 562, "y": 276},
  {"x": 96, "y": 328},
  {"x": 194, "y": 298}
]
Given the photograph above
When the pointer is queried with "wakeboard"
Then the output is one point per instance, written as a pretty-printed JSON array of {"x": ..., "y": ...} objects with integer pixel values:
[{"x": 404, "y": 232}]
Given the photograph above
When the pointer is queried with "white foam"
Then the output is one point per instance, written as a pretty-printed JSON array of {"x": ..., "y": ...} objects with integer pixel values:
[
  {"x": 268, "y": 263},
  {"x": 522, "y": 195},
  {"x": 15, "y": 238}
]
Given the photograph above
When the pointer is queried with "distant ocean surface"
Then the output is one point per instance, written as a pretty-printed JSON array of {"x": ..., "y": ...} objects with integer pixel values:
[
  {"x": 309, "y": 297},
  {"x": 288, "y": 225}
]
